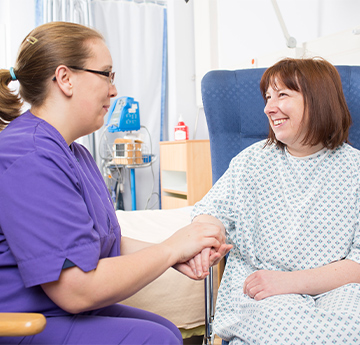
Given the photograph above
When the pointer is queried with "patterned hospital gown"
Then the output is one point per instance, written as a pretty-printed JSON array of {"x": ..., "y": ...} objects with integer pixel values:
[{"x": 287, "y": 213}]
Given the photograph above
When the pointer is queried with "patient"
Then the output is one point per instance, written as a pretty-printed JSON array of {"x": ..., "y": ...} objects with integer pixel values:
[
  {"x": 61, "y": 250},
  {"x": 290, "y": 206}
]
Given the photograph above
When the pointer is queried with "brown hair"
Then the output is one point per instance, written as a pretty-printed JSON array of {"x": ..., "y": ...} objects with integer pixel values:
[
  {"x": 328, "y": 116},
  {"x": 41, "y": 52}
]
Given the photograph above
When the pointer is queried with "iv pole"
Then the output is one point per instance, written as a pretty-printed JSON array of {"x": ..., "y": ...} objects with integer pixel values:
[{"x": 290, "y": 41}]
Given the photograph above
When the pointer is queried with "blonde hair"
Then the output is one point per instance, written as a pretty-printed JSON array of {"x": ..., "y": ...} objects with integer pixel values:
[{"x": 41, "y": 52}]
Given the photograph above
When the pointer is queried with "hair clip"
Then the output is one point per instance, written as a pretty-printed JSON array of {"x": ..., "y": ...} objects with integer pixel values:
[{"x": 31, "y": 39}]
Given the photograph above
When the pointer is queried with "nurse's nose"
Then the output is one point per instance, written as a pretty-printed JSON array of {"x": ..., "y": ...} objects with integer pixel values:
[{"x": 112, "y": 91}]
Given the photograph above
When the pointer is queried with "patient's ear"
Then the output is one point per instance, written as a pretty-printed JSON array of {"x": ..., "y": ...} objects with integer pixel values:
[{"x": 63, "y": 77}]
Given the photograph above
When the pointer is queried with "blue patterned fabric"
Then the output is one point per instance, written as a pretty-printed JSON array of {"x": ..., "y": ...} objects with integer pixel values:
[{"x": 300, "y": 196}]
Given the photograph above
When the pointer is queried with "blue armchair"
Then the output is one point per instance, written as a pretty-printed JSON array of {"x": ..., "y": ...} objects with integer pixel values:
[{"x": 234, "y": 110}]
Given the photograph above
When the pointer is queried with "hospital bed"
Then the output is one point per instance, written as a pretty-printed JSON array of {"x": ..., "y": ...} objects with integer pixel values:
[{"x": 234, "y": 111}]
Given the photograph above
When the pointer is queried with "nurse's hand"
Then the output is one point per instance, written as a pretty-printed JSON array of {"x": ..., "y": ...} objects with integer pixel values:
[
  {"x": 200, "y": 263},
  {"x": 192, "y": 239}
]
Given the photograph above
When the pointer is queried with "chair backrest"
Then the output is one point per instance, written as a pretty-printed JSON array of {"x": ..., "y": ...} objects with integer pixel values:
[{"x": 234, "y": 110}]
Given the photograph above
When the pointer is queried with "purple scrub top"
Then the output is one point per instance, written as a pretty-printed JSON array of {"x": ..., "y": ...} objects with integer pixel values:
[{"x": 54, "y": 207}]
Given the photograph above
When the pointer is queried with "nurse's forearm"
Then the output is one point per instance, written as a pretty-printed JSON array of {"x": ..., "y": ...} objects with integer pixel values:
[
  {"x": 113, "y": 280},
  {"x": 117, "y": 278},
  {"x": 206, "y": 218},
  {"x": 130, "y": 245}
]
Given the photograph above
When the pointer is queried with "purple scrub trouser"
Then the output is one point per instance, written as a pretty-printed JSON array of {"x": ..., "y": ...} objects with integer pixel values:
[{"x": 116, "y": 324}]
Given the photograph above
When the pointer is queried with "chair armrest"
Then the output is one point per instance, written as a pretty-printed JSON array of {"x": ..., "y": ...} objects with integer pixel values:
[{"x": 21, "y": 324}]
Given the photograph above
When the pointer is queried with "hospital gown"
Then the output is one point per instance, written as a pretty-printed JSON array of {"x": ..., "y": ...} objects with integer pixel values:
[{"x": 287, "y": 213}]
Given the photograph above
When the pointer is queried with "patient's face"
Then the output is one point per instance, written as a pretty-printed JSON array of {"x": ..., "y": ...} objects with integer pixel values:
[{"x": 286, "y": 114}]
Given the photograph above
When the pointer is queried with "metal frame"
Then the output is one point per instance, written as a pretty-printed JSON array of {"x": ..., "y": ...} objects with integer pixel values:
[{"x": 209, "y": 308}]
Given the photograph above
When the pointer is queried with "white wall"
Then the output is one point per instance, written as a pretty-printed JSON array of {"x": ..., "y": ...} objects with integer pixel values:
[
  {"x": 242, "y": 31},
  {"x": 249, "y": 29},
  {"x": 181, "y": 66},
  {"x": 17, "y": 19}
]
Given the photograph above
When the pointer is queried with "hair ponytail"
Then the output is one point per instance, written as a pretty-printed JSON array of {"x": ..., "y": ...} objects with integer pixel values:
[{"x": 10, "y": 102}]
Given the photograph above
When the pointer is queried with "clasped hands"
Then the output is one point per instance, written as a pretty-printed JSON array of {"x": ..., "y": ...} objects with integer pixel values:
[{"x": 197, "y": 266}]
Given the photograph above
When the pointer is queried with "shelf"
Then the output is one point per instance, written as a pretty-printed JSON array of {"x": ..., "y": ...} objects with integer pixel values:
[
  {"x": 147, "y": 161},
  {"x": 175, "y": 191},
  {"x": 174, "y": 180}
]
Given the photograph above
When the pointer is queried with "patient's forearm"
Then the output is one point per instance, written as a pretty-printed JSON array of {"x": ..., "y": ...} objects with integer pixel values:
[
  {"x": 264, "y": 283},
  {"x": 328, "y": 277}
]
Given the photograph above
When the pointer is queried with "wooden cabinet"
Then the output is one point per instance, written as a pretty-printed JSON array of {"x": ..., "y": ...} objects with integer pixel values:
[{"x": 185, "y": 172}]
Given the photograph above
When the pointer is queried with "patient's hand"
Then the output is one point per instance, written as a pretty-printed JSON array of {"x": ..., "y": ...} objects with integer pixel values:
[
  {"x": 208, "y": 257},
  {"x": 264, "y": 283},
  {"x": 185, "y": 269}
]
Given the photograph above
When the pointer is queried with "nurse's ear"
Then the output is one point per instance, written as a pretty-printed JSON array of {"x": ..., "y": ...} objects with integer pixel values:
[{"x": 63, "y": 78}]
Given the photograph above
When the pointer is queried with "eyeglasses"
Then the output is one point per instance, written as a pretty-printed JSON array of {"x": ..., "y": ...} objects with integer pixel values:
[{"x": 110, "y": 75}]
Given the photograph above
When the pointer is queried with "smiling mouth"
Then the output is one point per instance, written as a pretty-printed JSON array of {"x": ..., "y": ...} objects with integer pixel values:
[{"x": 279, "y": 122}]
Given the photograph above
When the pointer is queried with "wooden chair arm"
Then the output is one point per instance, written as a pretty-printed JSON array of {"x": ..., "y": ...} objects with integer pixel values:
[{"x": 21, "y": 324}]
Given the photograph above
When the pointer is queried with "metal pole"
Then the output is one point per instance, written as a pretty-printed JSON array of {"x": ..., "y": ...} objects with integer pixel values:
[
  {"x": 133, "y": 190},
  {"x": 209, "y": 308},
  {"x": 290, "y": 41}
]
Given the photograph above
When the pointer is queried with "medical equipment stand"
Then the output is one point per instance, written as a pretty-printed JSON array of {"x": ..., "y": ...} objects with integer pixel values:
[{"x": 150, "y": 160}]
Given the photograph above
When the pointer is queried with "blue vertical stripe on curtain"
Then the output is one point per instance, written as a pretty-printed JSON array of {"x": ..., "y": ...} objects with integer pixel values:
[
  {"x": 163, "y": 90},
  {"x": 164, "y": 78},
  {"x": 39, "y": 17}
]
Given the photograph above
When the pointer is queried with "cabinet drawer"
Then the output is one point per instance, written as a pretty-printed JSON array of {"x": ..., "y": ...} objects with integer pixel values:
[
  {"x": 173, "y": 156},
  {"x": 169, "y": 201}
]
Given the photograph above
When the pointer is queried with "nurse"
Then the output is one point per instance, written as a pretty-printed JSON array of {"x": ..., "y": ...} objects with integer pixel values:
[{"x": 61, "y": 250}]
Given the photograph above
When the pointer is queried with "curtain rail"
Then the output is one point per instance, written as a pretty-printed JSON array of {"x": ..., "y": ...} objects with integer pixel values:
[{"x": 156, "y": 2}]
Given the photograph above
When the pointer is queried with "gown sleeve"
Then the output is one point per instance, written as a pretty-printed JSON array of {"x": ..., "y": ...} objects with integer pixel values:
[
  {"x": 223, "y": 197},
  {"x": 354, "y": 253}
]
